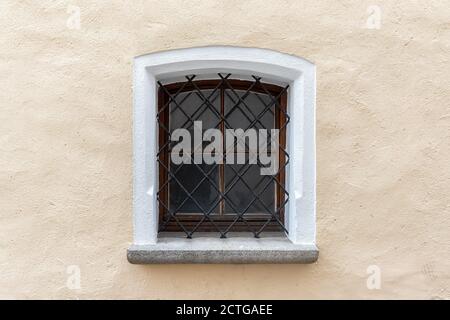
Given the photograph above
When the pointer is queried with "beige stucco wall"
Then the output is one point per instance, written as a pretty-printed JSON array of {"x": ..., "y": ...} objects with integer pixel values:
[{"x": 383, "y": 138}]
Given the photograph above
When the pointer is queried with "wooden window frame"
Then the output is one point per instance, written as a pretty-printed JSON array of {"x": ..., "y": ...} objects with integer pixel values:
[{"x": 222, "y": 219}]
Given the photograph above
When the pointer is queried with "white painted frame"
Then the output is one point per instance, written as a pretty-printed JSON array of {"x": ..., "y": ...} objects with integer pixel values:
[{"x": 271, "y": 66}]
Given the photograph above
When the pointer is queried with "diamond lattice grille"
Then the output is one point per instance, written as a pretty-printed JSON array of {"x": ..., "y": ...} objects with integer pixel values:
[{"x": 221, "y": 196}]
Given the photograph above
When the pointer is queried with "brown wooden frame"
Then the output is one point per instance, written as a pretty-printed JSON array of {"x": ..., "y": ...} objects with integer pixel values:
[{"x": 221, "y": 220}]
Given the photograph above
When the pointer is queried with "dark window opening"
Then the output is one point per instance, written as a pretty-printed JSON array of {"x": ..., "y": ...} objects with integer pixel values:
[{"x": 221, "y": 197}]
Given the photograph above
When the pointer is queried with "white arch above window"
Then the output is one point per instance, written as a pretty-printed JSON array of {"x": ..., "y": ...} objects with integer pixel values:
[
  {"x": 210, "y": 60},
  {"x": 273, "y": 67}
]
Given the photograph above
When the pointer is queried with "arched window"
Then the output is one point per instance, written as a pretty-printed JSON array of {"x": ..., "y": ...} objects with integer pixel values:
[
  {"x": 224, "y": 157},
  {"x": 219, "y": 189}
]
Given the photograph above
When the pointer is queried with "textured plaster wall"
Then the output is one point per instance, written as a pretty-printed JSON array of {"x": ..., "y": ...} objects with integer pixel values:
[{"x": 383, "y": 145}]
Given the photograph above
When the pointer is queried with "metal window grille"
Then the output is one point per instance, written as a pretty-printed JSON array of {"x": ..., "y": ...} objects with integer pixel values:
[{"x": 221, "y": 197}]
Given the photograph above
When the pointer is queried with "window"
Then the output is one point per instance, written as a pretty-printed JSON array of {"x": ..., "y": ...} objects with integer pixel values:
[
  {"x": 220, "y": 196},
  {"x": 186, "y": 211}
]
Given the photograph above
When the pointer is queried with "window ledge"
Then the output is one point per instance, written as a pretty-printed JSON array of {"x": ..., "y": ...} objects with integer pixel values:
[{"x": 210, "y": 249}]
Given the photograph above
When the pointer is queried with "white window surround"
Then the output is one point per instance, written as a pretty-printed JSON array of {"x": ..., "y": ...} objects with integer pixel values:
[{"x": 300, "y": 244}]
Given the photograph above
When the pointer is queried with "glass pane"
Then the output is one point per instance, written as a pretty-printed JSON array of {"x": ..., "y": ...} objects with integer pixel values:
[
  {"x": 192, "y": 105},
  {"x": 241, "y": 192},
  {"x": 190, "y": 176},
  {"x": 241, "y": 115}
]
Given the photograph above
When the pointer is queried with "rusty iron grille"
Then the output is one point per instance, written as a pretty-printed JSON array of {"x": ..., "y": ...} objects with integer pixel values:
[{"x": 221, "y": 197}]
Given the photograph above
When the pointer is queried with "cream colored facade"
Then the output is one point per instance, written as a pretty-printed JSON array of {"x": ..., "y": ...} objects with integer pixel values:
[{"x": 383, "y": 145}]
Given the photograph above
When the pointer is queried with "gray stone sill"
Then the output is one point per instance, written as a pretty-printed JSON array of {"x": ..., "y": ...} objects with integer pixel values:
[{"x": 210, "y": 249}]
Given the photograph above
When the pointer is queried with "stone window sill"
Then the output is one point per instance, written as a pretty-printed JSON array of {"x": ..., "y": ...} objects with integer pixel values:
[{"x": 238, "y": 248}]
